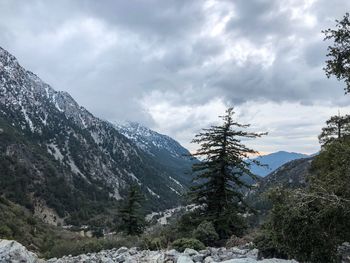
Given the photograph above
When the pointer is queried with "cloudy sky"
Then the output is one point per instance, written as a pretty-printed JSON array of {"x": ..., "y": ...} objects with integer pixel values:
[{"x": 175, "y": 65}]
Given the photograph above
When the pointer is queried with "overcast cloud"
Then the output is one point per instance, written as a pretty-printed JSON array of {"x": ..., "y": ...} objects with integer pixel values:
[{"x": 174, "y": 65}]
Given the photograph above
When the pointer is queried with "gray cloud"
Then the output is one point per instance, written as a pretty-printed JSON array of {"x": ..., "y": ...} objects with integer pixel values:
[{"x": 129, "y": 59}]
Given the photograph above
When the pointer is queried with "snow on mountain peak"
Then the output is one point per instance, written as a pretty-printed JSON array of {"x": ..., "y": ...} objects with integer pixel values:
[{"x": 150, "y": 140}]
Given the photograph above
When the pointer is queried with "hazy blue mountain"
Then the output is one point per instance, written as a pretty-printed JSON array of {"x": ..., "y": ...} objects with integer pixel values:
[{"x": 274, "y": 161}]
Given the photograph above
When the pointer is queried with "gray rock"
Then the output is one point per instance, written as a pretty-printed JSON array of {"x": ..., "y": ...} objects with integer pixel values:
[
  {"x": 133, "y": 250},
  {"x": 120, "y": 258},
  {"x": 238, "y": 251},
  {"x": 12, "y": 251},
  {"x": 198, "y": 258},
  {"x": 190, "y": 252},
  {"x": 344, "y": 252},
  {"x": 208, "y": 260},
  {"x": 122, "y": 250},
  {"x": 205, "y": 252},
  {"x": 253, "y": 254},
  {"x": 184, "y": 259}
]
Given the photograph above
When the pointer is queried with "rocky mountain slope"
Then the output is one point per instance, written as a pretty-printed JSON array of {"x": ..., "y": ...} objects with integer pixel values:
[
  {"x": 274, "y": 161},
  {"x": 290, "y": 175},
  {"x": 69, "y": 152},
  {"x": 161, "y": 147}
]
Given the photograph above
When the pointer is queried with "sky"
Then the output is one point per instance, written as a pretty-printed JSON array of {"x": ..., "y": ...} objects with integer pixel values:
[{"x": 175, "y": 65}]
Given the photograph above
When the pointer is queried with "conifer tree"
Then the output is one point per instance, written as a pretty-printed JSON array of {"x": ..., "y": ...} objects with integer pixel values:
[
  {"x": 338, "y": 127},
  {"x": 131, "y": 214},
  {"x": 338, "y": 63},
  {"x": 219, "y": 175}
]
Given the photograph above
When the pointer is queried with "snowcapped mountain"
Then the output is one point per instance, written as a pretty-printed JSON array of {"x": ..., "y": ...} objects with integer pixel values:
[
  {"x": 84, "y": 149},
  {"x": 161, "y": 148},
  {"x": 151, "y": 141}
]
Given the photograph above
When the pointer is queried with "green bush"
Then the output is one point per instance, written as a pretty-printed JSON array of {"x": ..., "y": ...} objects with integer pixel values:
[
  {"x": 206, "y": 233},
  {"x": 183, "y": 243},
  {"x": 90, "y": 245},
  {"x": 5, "y": 232}
]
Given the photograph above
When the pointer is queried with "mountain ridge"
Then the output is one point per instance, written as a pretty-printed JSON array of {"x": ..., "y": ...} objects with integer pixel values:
[
  {"x": 274, "y": 161},
  {"x": 87, "y": 148}
]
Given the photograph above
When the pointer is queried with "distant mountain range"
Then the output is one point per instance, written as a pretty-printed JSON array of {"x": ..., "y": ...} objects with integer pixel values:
[
  {"x": 274, "y": 161},
  {"x": 64, "y": 163}
]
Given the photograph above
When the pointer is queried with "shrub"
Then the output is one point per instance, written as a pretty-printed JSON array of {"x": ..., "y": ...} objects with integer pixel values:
[
  {"x": 206, "y": 233},
  {"x": 5, "y": 232},
  {"x": 183, "y": 243},
  {"x": 235, "y": 241}
]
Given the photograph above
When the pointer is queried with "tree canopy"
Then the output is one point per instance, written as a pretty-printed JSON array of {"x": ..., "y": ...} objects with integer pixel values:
[
  {"x": 220, "y": 174},
  {"x": 338, "y": 62}
]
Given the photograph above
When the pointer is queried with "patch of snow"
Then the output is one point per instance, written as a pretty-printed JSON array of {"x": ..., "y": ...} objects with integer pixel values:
[
  {"x": 28, "y": 120},
  {"x": 175, "y": 181},
  {"x": 152, "y": 193},
  {"x": 53, "y": 149},
  {"x": 172, "y": 189},
  {"x": 132, "y": 175}
]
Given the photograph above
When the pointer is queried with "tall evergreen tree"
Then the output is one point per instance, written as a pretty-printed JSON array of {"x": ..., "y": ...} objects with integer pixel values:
[
  {"x": 338, "y": 63},
  {"x": 133, "y": 221},
  {"x": 338, "y": 127},
  {"x": 224, "y": 163}
]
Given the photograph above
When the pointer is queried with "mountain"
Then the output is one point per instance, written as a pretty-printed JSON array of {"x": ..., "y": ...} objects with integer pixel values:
[
  {"x": 161, "y": 148},
  {"x": 291, "y": 175},
  {"x": 273, "y": 161},
  {"x": 60, "y": 158}
]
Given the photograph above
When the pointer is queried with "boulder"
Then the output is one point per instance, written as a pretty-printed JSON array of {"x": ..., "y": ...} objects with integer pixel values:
[
  {"x": 122, "y": 250},
  {"x": 344, "y": 252},
  {"x": 198, "y": 258},
  {"x": 190, "y": 252},
  {"x": 253, "y": 253},
  {"x": 12, "y": 251},
  {"x": 184, "y": 259}
]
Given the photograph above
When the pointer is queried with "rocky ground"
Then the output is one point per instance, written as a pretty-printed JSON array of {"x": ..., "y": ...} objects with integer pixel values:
[{"x": 12, "y": 251}]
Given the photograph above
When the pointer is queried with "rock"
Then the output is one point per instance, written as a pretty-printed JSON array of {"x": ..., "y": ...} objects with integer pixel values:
[
  {"x": 250, "y": 260},
  {"x": 198, "y": 258},
  {"x": 205, "y": 252},
  {"x": 213, "y": 251},
  {"x": 12, "y": 251},
  {"x": 133, "y": 251},
  {"x": 208, "y": 260},
  {"x": 120, "y": 258},
  {"x": 184, "y": 259},
  {"x": 226, "y": 256},
  {"x": 240, "y": 260},
  {"x": 253, "y": 254},
  {"x": 122, "y": 250},
  {"x": 171, "y": 253},
  {"x": 344, "y": 252},
  {"x": 238, "y": 251},
  {"x": 190, "y": 252}
]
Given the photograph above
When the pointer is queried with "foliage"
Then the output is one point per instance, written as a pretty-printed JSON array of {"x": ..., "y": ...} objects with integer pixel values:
[
  {"x": 131, "y": 214},
  {"x": 338, "y": 128},
  {"x": 183, "y": 243},
  {"x": 206, "y": 233},
  {"x": 90, "y": 245},
  {"x": 160, "y": 237},
  {"x": 219, "y": 175},
  {"x": 309, "y": 224},
  {"x": 235, "y": 241},
  {"x": 338, "y": 63}
]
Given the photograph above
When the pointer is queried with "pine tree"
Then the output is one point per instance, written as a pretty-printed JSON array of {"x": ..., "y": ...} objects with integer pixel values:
[
  {"x": 338, "y": 127},
  {"x": 338, "y": 64},
  {"x": 133, "y": 222},
  {"x": 224, "y": 163}
]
